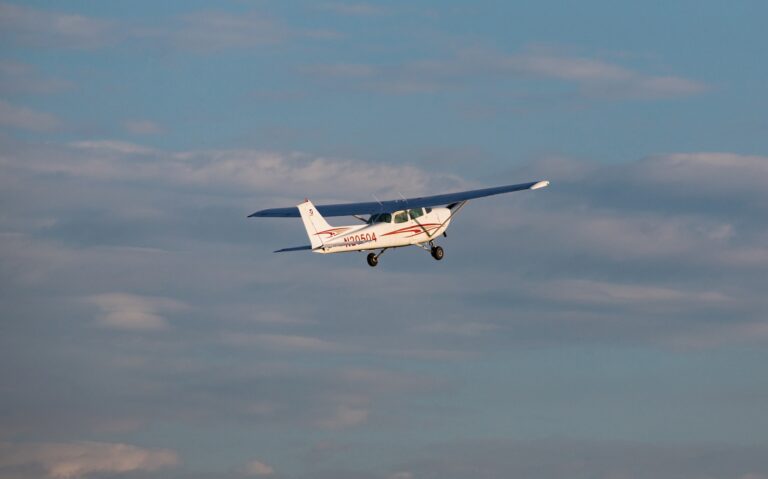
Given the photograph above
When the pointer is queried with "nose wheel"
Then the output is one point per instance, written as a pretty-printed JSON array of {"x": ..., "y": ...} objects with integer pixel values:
[{"x": 437, "y": 252}]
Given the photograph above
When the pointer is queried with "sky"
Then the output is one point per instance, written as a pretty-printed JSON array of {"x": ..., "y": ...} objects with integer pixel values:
[{"x": 611, "y": 326}]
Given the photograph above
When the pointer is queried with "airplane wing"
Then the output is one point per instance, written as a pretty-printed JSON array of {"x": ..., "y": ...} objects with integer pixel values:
[
  {"x": 372, "y": 207},
  {"x": 294, "y": 248}
]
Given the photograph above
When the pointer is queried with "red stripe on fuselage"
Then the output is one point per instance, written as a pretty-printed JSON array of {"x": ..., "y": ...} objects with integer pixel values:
[
  {"x": 331, "y": 232},
  {"x": 424, "y": 228}
]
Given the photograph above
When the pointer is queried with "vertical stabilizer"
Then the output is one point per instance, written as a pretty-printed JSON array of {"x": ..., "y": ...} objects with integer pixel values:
[{"x": 315, "y": 224}]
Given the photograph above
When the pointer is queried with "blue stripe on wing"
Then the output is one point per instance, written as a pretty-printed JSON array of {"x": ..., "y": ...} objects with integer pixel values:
[
  {"x": 295, "y": 248},
  {"x": 372, "y": 207}
]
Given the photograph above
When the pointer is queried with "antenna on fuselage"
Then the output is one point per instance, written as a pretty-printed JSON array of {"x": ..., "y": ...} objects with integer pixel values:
[{"x": 377, "y": 200}]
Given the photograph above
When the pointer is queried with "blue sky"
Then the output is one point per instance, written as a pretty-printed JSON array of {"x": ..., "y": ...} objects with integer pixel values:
[{"x": 612, "y": 325}]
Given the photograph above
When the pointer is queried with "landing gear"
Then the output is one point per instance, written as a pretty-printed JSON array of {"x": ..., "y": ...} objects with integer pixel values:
[
  {"x": 373, "y": 258},
  {"x": 437, "y": 252}
]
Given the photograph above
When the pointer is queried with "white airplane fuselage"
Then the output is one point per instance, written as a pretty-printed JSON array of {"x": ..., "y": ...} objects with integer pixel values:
[{"x": 380, "y": 235}]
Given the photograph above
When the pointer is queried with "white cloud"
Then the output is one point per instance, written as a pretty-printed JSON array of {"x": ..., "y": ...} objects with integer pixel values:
[
  {"x": 594, "y": 77},
  {"x": 133, "y": 312},
  {"x": 582, "y": 290},
  {"x": 716, "y": 173},
  {"x": 219, "y": 30},
  {"x": 210, "y": 31},
  {"x": 345, "y": 416},
  {"x": 716, "y": 335},
  {"x": 288, "y": 175},
  {"x": 25, "y": 118},
  {"x": 285, "y": 342},
  {"x": 38, "y": 27},
  {"x": 80, "y": 459},
  {"x": 355, "y": 9},
  {"x": 20, "y": 77},
  {"x": 599, "y": 77},
  {"x": 143, "y": 127},
  {"x": 108, "y": 147},
  {"x": 258, "y": 468}
]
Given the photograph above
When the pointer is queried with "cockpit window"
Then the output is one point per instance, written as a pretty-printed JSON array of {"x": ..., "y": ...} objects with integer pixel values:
[
  {"x": 380, "y": 218},
  {"x": 415, "y": 213},
  {"x": 401, "y": 217}
]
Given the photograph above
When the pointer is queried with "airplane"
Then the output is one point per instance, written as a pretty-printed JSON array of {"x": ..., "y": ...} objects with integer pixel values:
[{"x": 390, "y": 224}]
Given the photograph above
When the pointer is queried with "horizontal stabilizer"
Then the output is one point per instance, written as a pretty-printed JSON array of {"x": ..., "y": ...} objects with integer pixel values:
[{"x": 295, "y": 248}]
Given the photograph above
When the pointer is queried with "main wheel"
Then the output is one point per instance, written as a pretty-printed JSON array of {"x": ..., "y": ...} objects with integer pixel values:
[
  {"x": 372, "y": 260},
  {"x": 437, "y": 252}
]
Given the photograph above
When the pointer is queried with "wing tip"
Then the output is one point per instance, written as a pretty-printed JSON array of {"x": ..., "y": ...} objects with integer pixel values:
[
  {"x": 294, "y": 248},
  {"x": 540, "y": 184}
]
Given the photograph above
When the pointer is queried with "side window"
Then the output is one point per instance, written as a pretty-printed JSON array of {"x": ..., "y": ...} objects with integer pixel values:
[
  {"x": 401, "y": 217},
  {"x": 384, "y": 218},
  {"x": 415, "y": 213},
  {"x": 429, "y": 210}
]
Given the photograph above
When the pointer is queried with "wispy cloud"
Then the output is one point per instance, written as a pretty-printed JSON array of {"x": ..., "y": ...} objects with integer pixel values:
[
  {"x": 289, "y": 174},
  {"x": 37, "y": 27},
  {"x": 345, "y": 416},
  {"x": 597, "y": 77},
  {"x": 133, "y": 312},
  {"x": 258, "y": 468},
  {"x": 286, "y": 343},
  {"x": 354, "y": 9},
  {"x": 19, "y": 77},
  {"x": 143, "y": 127},
  {"x": 198, "y": 31},
  {"x": 24, "y": 118},
  {"x": 72, "y": 460},
  {"x": 539, "y": 459},
  {"x": 593, "y": 77},
  {"x": 210, "y": 31},
  {"x": 219, "y": 30}
]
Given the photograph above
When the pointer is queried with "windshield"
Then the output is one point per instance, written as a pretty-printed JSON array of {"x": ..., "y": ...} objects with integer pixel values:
[
  {"x": 380, "y": 218},
  {"x": 415, "y": 213}
]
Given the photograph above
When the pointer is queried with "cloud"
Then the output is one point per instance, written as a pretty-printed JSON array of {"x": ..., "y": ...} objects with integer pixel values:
[
  {"x": 353, "y": 9},
  {"x": 594, "y": 77},
  {"x": 612, "y": 292},
  {"x": 543, "y": 459},
  {"x": 133, "y": 312},
  {"x": 36, "y": 27},
  {"x": 19, "y": 77},
  {"x": 73, "y": 460},
  {"x": 198, "y": 31},
  {"x": 258, "y": 468},
  {"x": 211, "y": 31},
  {"x": 143, "y": 127},
  {"x": 662, "y": 253},
  {"x": 625, "y": 248},
  {"x": 345, "y": 416},
  {"x": 285, "y": 342},
  {"x": 219, "y": 30},
  {"x": 597, "y": 77},
  {"x": 25, "y": 118},
  {"x": 294, "y": 175}
]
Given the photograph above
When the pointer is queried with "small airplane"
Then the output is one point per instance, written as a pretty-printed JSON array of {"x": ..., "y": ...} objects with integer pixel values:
[{"x": 390, "y": 224}]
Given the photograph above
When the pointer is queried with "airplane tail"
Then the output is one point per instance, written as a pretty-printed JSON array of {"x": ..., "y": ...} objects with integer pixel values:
[{"x": 316, "y": 226}]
